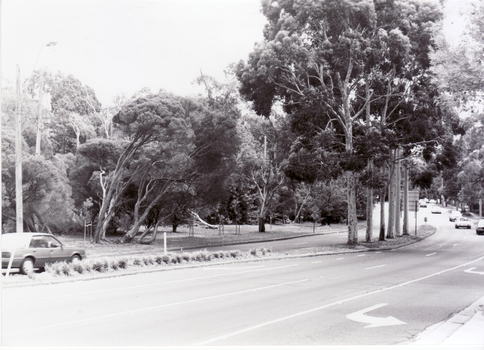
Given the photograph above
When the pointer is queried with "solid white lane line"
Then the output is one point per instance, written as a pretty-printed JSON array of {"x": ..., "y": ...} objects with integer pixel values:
[
  {"x": 374, "y": 267},
  {"x": 103, "y": 291},
  {"x": 212, "y": 340},
  {"x": 89, "y": 319},
  {"x": 430, "y": 254}
]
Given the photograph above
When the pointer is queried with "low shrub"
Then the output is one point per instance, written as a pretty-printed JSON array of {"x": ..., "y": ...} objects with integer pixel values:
[
  {"x": 123, "y": 263},
  {"x": 102, "y": 265}
]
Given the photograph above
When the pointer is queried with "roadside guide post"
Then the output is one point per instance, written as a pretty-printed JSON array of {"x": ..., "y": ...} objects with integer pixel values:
[{"x": 10, "y": 262}]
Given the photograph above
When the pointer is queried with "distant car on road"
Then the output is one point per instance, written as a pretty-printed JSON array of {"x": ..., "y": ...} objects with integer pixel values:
[
  {"x": 34, "y": 250},
  {"x": 454, "y": 215},
  {"x": 480, "y": 227},
  {"x": 463, "y": 222},
  {"x": 436, "y": 210}
]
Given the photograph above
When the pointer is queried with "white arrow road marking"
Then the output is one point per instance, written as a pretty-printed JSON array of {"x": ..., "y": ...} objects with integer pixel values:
[
  {"x": 471, "y": 270},
  {"x": 360, "y": 316}
]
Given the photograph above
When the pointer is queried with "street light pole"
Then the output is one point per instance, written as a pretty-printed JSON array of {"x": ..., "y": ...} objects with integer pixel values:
[
  {"x": 41, "y": 94},
  {"x": 18, "y": 159}
]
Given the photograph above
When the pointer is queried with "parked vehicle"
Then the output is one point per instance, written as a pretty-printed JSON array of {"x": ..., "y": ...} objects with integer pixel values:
[
  {"x": 480, "y": 227},
  {"x": 34, "y": 250},
  {"x": 463, "y": 222}
]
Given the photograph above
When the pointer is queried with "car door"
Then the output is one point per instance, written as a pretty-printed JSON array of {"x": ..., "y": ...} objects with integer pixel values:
[
  {"x": 38, "y": 248},
  {"x": 56, "y": 250}
]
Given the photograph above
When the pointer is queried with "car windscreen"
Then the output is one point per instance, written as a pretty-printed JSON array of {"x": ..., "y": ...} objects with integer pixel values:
[{"x": 11, "y": 241}]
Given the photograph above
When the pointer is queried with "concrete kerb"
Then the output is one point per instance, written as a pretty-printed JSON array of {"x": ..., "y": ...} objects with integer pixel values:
[
  {"x": 57, "y": 280},
  {"x": 465, "y": 328}
]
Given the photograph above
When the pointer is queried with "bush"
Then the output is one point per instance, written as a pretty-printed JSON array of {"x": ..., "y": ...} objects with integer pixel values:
[{"x": 123, "y": 263}]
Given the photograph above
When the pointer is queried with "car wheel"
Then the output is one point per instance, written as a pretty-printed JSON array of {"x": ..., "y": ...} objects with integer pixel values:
[
  {"x": 27, "y": 266},
  {"x": 75, "y": 258}
]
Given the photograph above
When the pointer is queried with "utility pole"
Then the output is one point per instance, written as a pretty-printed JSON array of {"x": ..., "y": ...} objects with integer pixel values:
[
  {"x": 41, "y": 94},
  {"x": 39, "y": 117},
  {"x": 405, "y": 199},
  {"x": 18, "y": 158}
]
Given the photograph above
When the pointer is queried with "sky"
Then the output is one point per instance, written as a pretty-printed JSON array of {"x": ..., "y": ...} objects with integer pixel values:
[{"x": 122, "y": 46}]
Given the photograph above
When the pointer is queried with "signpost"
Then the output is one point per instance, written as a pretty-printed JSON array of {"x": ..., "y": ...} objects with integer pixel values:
[{"x": 413, "y": 204}]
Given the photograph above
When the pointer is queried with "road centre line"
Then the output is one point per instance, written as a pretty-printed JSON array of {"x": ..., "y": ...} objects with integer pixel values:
[
  {"x": 374, "y": 267},
  {"x": 159, "y": 283},
  {"x": 277, "y": 320},
  {"x": 89, "y": 319}
]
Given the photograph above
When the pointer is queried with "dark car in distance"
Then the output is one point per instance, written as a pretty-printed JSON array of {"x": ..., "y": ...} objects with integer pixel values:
[{"x": 32, "y": 250}]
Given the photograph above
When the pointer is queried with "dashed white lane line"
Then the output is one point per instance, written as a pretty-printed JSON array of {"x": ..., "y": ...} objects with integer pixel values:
[
  {"x": 177, "y": 303},
  {"x": 339, "y": 258},
  {"x": 316, "y": 262},
  {"x": 305, "y": 312},
  {"x": 431, "y": 254},
  {"x": 301, "y": 243},
  {"x": 361, "y": 255},
  {"x": 374, "y": 267}
]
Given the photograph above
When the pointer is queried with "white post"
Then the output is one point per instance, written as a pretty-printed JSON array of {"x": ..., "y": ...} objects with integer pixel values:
[
  {"x": 9, "y": 267},
  {"x": 164, "y": 241},
  {"x": 18, "y": 159}
]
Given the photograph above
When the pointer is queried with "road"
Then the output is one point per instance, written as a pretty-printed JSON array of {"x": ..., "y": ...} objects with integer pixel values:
[{"x": 371, "y": 298}]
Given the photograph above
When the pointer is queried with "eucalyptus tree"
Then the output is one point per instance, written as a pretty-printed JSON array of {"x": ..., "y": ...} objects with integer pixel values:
[
  {"x": 315, "y": 58},
  {"x": 261, "y": 159},
  {"x": 459, "y": 75}
]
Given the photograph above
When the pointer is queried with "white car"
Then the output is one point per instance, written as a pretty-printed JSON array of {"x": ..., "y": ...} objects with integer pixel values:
[
  {"x": 436, "y": 210},
  {"x": 454, "y": 216},
  {"x": 463, "y": 222}
]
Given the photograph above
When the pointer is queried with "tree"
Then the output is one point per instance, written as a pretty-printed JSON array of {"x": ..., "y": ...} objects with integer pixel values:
[
  {"x": 153, "y": 118},
  {"x": 261, "y": 159},
  {"x": 315, "y": 58}
]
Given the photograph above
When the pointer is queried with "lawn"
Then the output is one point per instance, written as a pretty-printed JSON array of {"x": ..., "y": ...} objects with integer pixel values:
[{"x": 204, "y": 237}]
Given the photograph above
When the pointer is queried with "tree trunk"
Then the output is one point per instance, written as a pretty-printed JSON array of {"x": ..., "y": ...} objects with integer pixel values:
[
  {"x": 262, "y": 224},
  {"x": 369, "y": 215},
  {"x": 352, "y": 220},
  {"x": 369, "y": 191},
  {"x": 382, "y": 214},
  {"x": 153, "y": 237},
  {"x": 391, "y": 201},
  {"x": 398, "y": 179}
]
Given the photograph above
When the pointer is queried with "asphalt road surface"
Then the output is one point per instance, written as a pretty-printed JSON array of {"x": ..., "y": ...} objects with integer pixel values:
[{"x": 371, "y": 298}]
